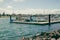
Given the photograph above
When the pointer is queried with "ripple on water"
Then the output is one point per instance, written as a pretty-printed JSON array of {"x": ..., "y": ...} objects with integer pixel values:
[{"x": 14, "y": 31}]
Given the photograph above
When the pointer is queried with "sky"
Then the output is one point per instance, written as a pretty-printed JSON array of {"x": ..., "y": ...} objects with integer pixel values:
[{"x": 30, "y": 6}]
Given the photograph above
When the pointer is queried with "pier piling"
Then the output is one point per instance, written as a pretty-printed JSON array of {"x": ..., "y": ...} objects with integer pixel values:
[
  {"x": 49, "y": 19},
  {"x": 11, "y": 19},
  {"x": 31, "y": 18}
]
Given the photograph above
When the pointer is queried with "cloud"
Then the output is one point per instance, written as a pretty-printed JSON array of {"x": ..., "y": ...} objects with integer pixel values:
[
  {"x": 31, "y": 11},
  {"x": 19, "y": 0},
  {"x": 9, "y": 7},
  {"x": 7, "y": 11},
  {"x": 38, "y": 11},
  {"x": 1, "y": 0}
]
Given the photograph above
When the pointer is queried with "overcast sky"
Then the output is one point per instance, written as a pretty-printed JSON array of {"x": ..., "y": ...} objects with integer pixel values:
[{"x": 29, "y": 6}]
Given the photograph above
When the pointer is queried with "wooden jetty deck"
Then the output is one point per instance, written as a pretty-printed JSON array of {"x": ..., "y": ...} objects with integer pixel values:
[
  {"x": 29, "y": 22},
  {"x": 38, "y": 23}
]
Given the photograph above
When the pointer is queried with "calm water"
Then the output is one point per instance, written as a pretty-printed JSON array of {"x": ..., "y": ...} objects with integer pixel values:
[{"x": 12, "y": 31}]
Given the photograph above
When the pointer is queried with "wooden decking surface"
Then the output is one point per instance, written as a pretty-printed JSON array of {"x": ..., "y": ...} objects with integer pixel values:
[{"x": 42, "y": 23}]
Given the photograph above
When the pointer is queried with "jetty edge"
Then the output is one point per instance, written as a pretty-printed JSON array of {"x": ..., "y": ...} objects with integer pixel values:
[{"x": 37, "y": 23}]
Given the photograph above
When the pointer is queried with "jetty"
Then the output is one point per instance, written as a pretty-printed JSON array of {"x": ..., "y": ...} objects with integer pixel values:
[
  {"x": 37, "y": 23},
  {"x": 30, "y": 20}
]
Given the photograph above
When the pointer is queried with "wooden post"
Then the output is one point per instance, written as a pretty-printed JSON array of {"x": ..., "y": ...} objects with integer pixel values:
[
  {"x": 31, "y": 18},
  {"x": 11, "y": 19},
  {"x": 49, "y": 19}
]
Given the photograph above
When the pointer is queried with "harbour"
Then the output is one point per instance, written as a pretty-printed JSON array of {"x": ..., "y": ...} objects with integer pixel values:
[
  {"x": 16, "y": 31},
  {"x": 29, "y": 19}
]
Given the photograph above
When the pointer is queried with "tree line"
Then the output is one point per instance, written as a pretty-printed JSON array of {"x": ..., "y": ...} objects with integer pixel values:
[{"x": 4, "y": 14}]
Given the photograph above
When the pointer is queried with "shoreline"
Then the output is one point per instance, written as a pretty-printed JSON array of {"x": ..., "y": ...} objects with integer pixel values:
[
  {"x": 6, "y": 16},
  {"x": 45, "y": 36}
]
